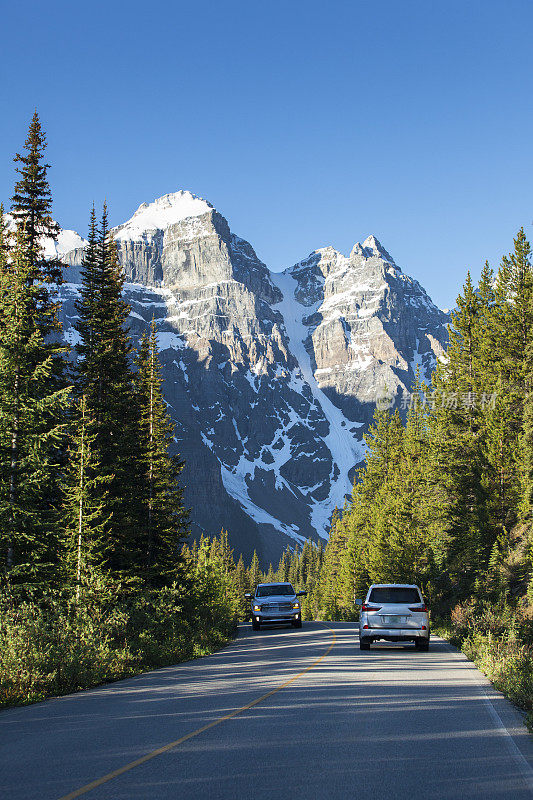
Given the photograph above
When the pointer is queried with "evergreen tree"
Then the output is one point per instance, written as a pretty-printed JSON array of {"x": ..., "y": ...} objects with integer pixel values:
[
  {"x": 103, "y": 374},
  {"x": 306, "y": 558},
  {"x": 254, "y": 572},
  {"x": 514, "y": 319},
  {"x": 84, "y": 503},
  {"x": 331, "y": 595},
  {"x": 456, "y": 458},
  {"x": 33, "y": 394},
  {"x": 240, "y": 580},
  {"x": 294, "y": 569},
  {"x": 33, "y": 408},
  {"x": 32, "y": 205},
  {"x": 527, "y": 444},
  {"x": 163, "y": 521},
  {"x": 282, "y": 573},
  {"x": 512, "y": 339}
]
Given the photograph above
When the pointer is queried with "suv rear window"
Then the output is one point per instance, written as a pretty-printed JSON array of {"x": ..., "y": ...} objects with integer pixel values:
[{"x": 394, "y": 594}]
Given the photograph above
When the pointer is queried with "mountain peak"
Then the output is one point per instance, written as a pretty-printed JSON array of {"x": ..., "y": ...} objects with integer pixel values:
[
  {"x": 375, "y": 246},
  {"x": 162, "y": 212}
]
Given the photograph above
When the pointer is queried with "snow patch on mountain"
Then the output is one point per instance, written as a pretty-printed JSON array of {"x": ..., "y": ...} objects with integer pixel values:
[
  {"x": 345, "y": 447},
  {"x": 161, "y": 213},
  {"x": 235, "y": 486}
]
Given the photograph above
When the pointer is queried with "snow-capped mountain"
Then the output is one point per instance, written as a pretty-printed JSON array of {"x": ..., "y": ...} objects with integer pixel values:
[
  {"x": 66, "y": 242},
  {"x": 271, "y": 378}
]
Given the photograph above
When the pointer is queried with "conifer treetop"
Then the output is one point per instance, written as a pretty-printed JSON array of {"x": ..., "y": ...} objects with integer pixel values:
[{"x": 31, "y": 202}]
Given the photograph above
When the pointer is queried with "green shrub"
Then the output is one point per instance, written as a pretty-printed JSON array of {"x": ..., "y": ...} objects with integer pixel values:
[
  {"x": 498, "y": 638},
  {"x": 56, "y": 644}
]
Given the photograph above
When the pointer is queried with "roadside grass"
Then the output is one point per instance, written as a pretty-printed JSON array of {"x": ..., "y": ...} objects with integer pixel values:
[{"x": 55, "y": 646}]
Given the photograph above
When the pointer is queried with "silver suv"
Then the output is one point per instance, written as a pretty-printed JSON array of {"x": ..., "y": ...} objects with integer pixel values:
[
  {"x": 275, "y": 603},
  {"x": 396, "y": 612}
]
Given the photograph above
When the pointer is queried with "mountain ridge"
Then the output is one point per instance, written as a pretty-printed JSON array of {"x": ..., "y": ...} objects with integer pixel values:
[{"x": 271, "y": 378}]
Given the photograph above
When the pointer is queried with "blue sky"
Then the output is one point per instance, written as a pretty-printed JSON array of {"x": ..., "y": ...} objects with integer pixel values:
[{"x": 305, "y": 123}]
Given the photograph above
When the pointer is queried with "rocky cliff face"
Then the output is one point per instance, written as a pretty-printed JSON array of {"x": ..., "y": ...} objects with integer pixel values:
[
  {"x": 369, "y": 325},
  {"x": 271, "y": 378}
]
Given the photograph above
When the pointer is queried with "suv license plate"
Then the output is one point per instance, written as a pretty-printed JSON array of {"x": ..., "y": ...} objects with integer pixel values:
[{"x": 394, "y": 619}]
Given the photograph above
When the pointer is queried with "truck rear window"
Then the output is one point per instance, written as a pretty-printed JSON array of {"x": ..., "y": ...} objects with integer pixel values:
[{"x": 394, "y": 594}]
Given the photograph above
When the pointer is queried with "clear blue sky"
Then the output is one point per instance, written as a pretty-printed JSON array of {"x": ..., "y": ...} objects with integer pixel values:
[{"x": 305, "y": 123}]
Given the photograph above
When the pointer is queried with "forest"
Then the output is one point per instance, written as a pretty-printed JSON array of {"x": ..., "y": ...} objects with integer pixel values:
[{"x": 99, "y": 575}]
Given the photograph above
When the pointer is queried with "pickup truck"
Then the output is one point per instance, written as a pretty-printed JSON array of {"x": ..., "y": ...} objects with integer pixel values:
[{"x": 275, "y": 603}]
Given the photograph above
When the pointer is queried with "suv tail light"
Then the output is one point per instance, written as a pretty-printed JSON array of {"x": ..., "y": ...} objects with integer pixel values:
[
  {"x": 418, "y": 608},
  {"x": 366, "y": 607}
]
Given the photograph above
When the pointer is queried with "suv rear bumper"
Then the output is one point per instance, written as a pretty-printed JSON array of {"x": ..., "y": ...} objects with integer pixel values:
[{"x": 393, "y": 634}]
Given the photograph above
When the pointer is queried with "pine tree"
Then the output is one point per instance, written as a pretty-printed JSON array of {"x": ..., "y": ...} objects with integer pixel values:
[
  {"x": 527, "y": 445},
  {"x": 89, "y": 316},
  {"x": 331, "y": 595},
  {"x": 33, "y": 392},
  {"x": 511, "y": 342},
  {"x": 84, "y": 504},
  {"x": 485, "y": 325},
  {"x": 103, "y": 374},
  {"x": 254, "y": 572},
  {"x": 240, "y": 581},
  {"x": 32, "y": 205},
  {"x": 456, "y": 459},
  {"x": 294, "y": 569},
  {"x": 282, "y": 573},
  {"x": 33, "y": 408},
  {"x": 515, "y": 329},
  {"x": 163, "y": 520},
  {"x": 463, "y": 345},
  {"x": 306, "y": 562}
]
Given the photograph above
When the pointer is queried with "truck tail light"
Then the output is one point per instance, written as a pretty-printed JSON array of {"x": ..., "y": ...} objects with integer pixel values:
[
  {"x": 418, "y": 608},
  {"x": 366, "y": 607}
]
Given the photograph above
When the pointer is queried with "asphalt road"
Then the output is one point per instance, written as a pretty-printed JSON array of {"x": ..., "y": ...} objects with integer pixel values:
[{"x": 389, "y": 723}]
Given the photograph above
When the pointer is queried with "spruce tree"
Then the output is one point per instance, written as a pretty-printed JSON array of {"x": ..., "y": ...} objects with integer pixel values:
[
  {"x": 163, "y": 521},
  {"x": 33, "y": 407},
  {"x": 282, "y": 573},
  {"x": 254, "y": 572},
  {"x": 33, "y": 393},
  {"x": 104, "y": 375},
  {"x": 84, "y": 504},
  {"x": 32, "y": 205},
  {"x": 456, "y": 459},
  {"x": 331, "y": 596},
  {"x": 527, "y": 444},
  {"x": 240, "y": 581}
]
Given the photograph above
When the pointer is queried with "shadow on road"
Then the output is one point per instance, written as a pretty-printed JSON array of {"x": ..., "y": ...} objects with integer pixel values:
[{"x": 393, "y": 722}]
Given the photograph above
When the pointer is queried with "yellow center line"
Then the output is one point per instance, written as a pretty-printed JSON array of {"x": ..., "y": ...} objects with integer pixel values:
[{"x": 160, "y": 750}]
